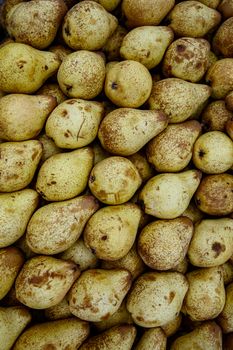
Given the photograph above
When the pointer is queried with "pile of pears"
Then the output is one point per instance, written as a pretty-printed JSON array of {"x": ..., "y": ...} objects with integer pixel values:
[{"x": 116, "y": 185}]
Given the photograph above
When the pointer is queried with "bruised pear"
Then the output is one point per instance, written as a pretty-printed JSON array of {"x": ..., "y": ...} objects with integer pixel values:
[
  {"x": 125, "y": 131},
  {"x": 152, "y": 339}
]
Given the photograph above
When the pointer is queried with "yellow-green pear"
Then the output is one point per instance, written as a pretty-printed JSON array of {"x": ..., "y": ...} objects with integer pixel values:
[
  {"x": 22, "y": 116},
  {"x": 145, "y": 169},
  {"x": 152, "y": 339},
  {"x": 222, "y": 42},
  {"x": 166, "y": 196},
  {"x": 52, "y": 89},
  {"x": 172, "y": 327},
  {"x": 226, "y": 8},
  {"x": 54, "y": 227},
  {"x": 193, "y": 213},
  {"x": 58, "y": 311},
  {"x": 109, "y": 5},
  {"x": 24, "y": 69},
  {"x": 49, "y": 147},
  {"x": 229, "y": 128},
  {"x": 113, "y": 44},
  {"x": 227, "y": 269},
  {"x": 18, "y": 163},
  {"x": 220, "y": 77},
  {"x": 211, "y": 3},
  {"x": 215, "y": 116},
  {"x": 13, "y": 320},
  {"x": 55, "y": 184},
  {"x": 225, "y": 318},
  {"x": 15, "y": 211},
  {"x": 178, "y": 99}
]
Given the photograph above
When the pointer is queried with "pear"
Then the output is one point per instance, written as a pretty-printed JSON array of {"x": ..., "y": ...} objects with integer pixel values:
[
  {"x": 145, "y": 12},
  {"x": 152, "y": 339},
  {"x": 182, "y": 267},
  {"x": 207, "y": 335},
  {"x": 113, "y": 44},
  {"x": 228, "y": 341},
  {"x": 87, "y": 26},
  {"x": 82, "y": 74},
  {"x": 56, "y": 185},
  {"x": 44, "y": 281},
  {"x": 24, "y": 69},
  {"x": 15, "y": 211},
  {"x": 111, "y": 231},
  {"x": 109, "y": 5},
  {"x": 205, "y": 298},
  {"x": 128, "y": 84},
  {"x": 178, "y": 98},
  {"x": 171, "y": 150},
  {"x": 156, "y": 298},
  {"x": 55, "y": 227},
  {"x": 54, "y": 90},
  {"x": 98, "y": 293},
  {"x": 146, "y": 44},
  {"x": 193, "y": 213},
  {"x": 5, "y": 8},
  {"x": 214, "y": 196},
  {"x": 36, "y": 22},
  {"x": 163, "y": 244},
  {"x": 69, "y": 333},
  {"x": 114, "y": 180},
  {"x": 23, "y": 246},
  {"x": 225, "y": 318},
  {"x": 213, "y": 152},
  {"x": 193, "y": 19},
  {"x": 215, "y": 116},
  {"x": 58, "y": 311},
  {"x": 13, "y": 320},
  {"x": 229, "y": 128},
  {"x": 211, "y": 3},
  {"x": 172, "y": 327},
  {"x": 11, "y": 261},
  {"x": 125, "y": 131},
  {"x": 18, "y": 163},
  {"x": 222, "y": 43},
  {"x": 144, "y": 167},
  {"x": 227, "y": 269},
  {"x": 80, "y": 255},
  {"x": 61, "y": 51},
  {"x": 187, "y": 58},
  {"x": 49, "y": 147},
  {"x": 166, "y": 196},
  {"x": 226, "y": 8},
  {"x": 212, "y": 242},
  {"x": 220, "y": 83},
  {"x": 229, "y": 101},
  {"x": 74, "y": 123},
  {"x": 115, "y": 338},
  {"x": 22, "y": 116}
]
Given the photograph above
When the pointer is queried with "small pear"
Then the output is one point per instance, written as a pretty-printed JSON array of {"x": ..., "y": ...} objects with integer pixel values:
[
  {"x": 187, "y": 58},
  {"x": 220, "y": 83},
  {"x": 156, "y": 298},
  {"x": 205, "y": 298},
  {"x": 56, "y": 226},
  {"x": 49, "y": 147},
  {"x": 24, "y": 69},
  {"x": 214, "y": 195},
  {"x": 229, "y": 101},
  {"x": 61, "y": 51},
  {"x": 13, "y": 320},
  {"x": 44, "y": 281},
  {"x": 146, "y": 44},
  {"x": 178, "y": 99},
  {"x": 226, "y": 8},
  {"x": 80, "y": 255},
  {"x": 113, "y": 44},
  {"x": 222, "y": 41},
  {"x": 22, "y": 116},
  {"x": 145, "y": 12},
  {"x": 15, "y": 211},
  {"x": 98, "y": 293},
  {"x": 18, "y": 163},
  {"x": 207, "y": 335},
  {"x": 163, "y": 244},
  {"x": 225, "y": 318},
  {"x": 229, "y": 128},
  {"x": 212, "y": 242},
  {"x": 182, "y": 267},
  {"x": 227, "y": 269},
  {"x": 99, "y": 152},
  {"x": 54, "y": 90},
  {"x": 11, "y": 261},
  {"x": 58, "y": 311},
  {"x": 166, "y": 196},
  {"x": 193, "y": 19},
  {"x": 152, "y": 339},
  {"x": 114, "y": 180},
  {"x": 111, "y": 231},
  {"x": 128, "y": 84},
  {"x": 215, "y": 116},
  {"x": 171, "y": 150},
  {"x": 87, "y": 26},
  {"x": 125, "y": 131},
  {"x": 74, "y": 123},
  {"x": 193, "y": 213},
  {"x": 36, "y": 22},
  {"x": 213, "y": 152},
  {"x": 172, "y": 327},
  {"x": 56, "y": 185},
  {"x": 69, "y": 333},
  {"x": 144, "y": 167},
  {"x": 23, "y": 246},
  {"x": 109, "y": 5},
  {"x": 115, "y": 338}
]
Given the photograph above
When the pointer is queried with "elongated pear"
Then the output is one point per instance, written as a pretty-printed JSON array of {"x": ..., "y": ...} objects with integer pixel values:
[
  {"x": 115, "y": 338},
  {"x": 152, "y": 339},
  {"x": 15, "y": 211},
  {"x": 171, "y": 150},
  {"x": 56, "y": 226},
  {"x": 167, "y": 196},
  {"x": 64, "y": 334},
  {"x": 18, "y": 163},
  {"x": 98, "y": 293},
  {"x": 44, "y": 281},
  {"x": 24, "y": 69},
  {"x": 22, "y": 116},
  {"x": 55, "y": 184},
  {"x": 178, "y": 99},
  {"x": 125, "y": 131},
  {"x": 13, "y": 320},
  {"x": 112, "y": 230}
]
